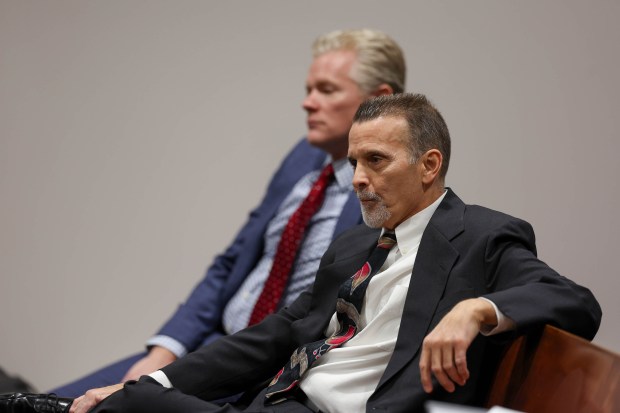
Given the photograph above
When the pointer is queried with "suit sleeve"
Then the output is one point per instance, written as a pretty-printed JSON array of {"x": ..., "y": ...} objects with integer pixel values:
[
  {"x": 531, "y": 293},
  {"x": 241, "y": 361},
  {"x": 238, "y": 362}
]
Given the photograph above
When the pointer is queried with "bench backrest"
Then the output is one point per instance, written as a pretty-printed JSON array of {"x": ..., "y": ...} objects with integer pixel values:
[{"x": 557, "y": 372}]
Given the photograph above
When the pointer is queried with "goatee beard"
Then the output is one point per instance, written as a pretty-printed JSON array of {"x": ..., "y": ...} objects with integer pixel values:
[{"x": 376, "y": 216}]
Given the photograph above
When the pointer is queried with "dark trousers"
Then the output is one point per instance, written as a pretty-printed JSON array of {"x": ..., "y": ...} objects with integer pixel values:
[{"x": 145, "y": 396}]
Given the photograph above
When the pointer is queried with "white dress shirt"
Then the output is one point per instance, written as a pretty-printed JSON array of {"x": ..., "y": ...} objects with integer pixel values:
[{"x": 344, "y": 378}]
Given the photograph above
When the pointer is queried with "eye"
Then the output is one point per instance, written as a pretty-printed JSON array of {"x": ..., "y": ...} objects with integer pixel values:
[
  {"x": 353, "y": 163},
  {"x": 375, "y": 159},
  {"x": 326, "y": 88}
]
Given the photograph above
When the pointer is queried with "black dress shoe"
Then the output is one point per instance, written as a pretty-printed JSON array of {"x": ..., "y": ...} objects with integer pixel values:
[{"x": 33, "y": 403}]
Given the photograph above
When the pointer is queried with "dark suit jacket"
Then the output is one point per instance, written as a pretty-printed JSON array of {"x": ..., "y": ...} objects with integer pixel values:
[
  {"x": 466, "y": 251},
  {"x": 198, "y": 320}
]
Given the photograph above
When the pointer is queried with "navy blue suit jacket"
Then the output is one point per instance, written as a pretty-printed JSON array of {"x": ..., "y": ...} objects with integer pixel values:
[{"x": 198, "y": 320}]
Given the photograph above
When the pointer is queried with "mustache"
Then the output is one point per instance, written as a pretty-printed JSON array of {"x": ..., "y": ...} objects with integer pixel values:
[{"x": 367, "y": 196}]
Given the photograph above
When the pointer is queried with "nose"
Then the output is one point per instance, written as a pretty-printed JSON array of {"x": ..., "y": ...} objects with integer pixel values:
[
  {"x": 360, "y": 178},
  {"x": 310, "y": 103}
]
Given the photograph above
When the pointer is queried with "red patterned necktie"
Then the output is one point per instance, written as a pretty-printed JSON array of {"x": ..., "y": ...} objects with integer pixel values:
[
  {"x": 287, "y": 248},
  {"x": 348, "y": 309}
]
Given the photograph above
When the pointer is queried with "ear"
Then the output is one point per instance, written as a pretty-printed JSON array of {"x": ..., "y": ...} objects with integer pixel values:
[
  {"x": 383, "y": 89},
  {"x": 431, "y": 163}
]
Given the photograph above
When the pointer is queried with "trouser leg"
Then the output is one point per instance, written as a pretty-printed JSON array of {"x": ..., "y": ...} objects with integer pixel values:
[
  {"x": 145, "y": 396},
  {"x": 106, "y": 376}
]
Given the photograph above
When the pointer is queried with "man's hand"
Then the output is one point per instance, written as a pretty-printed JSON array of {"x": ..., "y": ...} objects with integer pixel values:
[
  {"x": 444, "y": 349},
  {"x": 92, "y": 398},
  {"x": 157, "y": 358}
]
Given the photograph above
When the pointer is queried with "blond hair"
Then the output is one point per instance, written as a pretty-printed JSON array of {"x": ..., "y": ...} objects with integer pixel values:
[{"x": 379, "y": 58}]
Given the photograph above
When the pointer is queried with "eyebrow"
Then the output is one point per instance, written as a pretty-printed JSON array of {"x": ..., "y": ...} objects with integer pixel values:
[{"x": 321, "y": 83}]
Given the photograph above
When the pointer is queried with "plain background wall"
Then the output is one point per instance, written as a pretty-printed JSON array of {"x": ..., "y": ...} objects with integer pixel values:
[{"x": 136, "y": 135}]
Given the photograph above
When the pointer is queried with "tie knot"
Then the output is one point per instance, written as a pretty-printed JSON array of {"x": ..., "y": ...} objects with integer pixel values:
[
  {"x": 327, "y": 172},
  {"x": 387, "y": 240}
]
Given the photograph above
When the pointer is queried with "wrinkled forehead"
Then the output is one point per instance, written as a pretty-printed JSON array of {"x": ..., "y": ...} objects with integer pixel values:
[{"x": 384, "y": 132}]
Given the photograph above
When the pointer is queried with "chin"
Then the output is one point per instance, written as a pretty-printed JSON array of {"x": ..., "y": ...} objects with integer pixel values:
[{"x": 316, "y": 138}]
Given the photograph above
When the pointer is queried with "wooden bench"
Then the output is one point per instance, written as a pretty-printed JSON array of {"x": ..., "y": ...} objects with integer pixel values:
[{"x": 557, "y": 372}]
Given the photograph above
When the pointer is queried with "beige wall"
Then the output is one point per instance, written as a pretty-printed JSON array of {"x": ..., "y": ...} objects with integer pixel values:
[{"x": 135, "y": 135}]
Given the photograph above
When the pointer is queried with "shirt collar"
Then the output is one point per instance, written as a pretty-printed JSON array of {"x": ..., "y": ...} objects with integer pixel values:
[
  {"x": 343, "y": 172},
  {"x": 409, "y": 232}
]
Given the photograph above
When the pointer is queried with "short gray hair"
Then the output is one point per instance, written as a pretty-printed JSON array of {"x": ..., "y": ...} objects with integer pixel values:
[
  {"x": 379, "y": 58},
  {"x": 427, "y": 128}
]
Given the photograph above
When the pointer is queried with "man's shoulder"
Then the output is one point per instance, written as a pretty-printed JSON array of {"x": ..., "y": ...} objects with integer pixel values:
[
  {"x": 303, "y": 151},
  {"x": 487, "y": 216},
  {"x": 455, "y": 217},
  {"x": 300, "y": 160},
  {"x": 482, "y": 223},
  {"x": 473, "y": 213}
]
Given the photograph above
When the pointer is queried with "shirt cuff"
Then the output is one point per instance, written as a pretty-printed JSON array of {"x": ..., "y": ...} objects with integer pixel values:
[
  {"x": 168, "y": 343},
  {"x": 503, "y": 323},
  {"x": 160, "y": 377}
]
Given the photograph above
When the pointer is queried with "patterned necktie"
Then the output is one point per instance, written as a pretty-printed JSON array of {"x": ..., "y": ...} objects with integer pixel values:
[
  {"x": 348, "y": 309},
  {"x": 288, "y": 247}
]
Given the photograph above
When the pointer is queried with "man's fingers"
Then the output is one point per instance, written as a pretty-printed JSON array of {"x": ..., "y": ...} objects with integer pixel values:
[
  {"x": 88, "y": 401},
  {"x": 446, "y": 361},
  {"x": 440, "y": 359},
  {"x": 455, "y": 362},
  {"x": 73, "y": 408},
  {"x": 81, "y": 405},
  {"x": 92, "y": 398},
  {"x": 449, "y": 366},
  {"x": 460, "y": 360},
  {"x": 432, "y": 364},
  {"x": 425, "y": 370}
]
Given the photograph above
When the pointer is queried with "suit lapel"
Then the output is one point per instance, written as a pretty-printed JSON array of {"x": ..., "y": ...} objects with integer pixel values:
[
  {"x": 431, "y": 271},
  {"x": 347, "y": 260}
]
